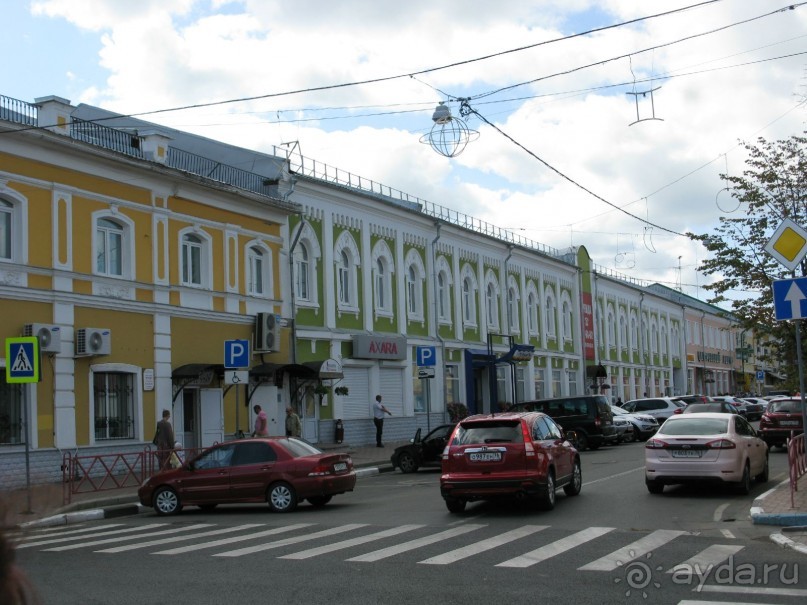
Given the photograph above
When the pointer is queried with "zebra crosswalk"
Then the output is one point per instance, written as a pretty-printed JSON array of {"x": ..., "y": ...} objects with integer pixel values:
[{"x": 592, "y": 549}]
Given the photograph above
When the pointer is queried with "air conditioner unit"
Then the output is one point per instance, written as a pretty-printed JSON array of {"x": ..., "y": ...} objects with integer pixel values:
[
  {"x": 50, "y": 337},
  {"x": 267, "y": 336},
  {"x": 93, "y": 341}
]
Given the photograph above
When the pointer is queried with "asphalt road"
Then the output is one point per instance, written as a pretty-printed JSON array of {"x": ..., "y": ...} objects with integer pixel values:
[{"x": 393, "y": 541}]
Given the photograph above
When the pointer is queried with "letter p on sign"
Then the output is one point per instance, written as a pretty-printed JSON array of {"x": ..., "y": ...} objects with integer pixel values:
[
  {"x": 426, "y": 356},
  {"x": 236, "y": 354}
]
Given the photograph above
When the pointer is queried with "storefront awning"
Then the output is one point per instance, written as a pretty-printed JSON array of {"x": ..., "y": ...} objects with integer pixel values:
[
  {"x": 597, "y": 371},
  {"x": 328, "y": 369},
  {"x": 266, "y": 371},
  {"x": 196, "y": 373}
]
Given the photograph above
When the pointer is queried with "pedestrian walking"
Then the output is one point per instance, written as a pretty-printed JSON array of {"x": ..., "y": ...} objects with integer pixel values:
[
  {"x": 293, "y": 426},
  {"x": 164, "y": 439},
  {"x": 378, "y": 419},
  {"x": 261, "y": 422}
]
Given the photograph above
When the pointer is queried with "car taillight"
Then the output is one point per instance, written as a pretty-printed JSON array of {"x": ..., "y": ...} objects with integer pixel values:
[
  {"x": 721, "y": 444},
  {"x": 655, "y": 444},
  {"x": 528, "y": 449},
  {"x": 444, "y": 455},
  {"x": 320, "y": 470},
  {"x": 679, "y": 411},
  {"x": 597, "y": 421},
  {"x": 765, "y": 420}
]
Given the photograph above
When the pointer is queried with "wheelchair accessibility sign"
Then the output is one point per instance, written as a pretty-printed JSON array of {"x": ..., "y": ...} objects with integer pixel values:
[{"x": 22, "y": 359}]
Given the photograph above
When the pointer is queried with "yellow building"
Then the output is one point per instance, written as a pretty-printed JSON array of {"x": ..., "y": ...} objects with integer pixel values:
[{"x": 134, "y": 264}]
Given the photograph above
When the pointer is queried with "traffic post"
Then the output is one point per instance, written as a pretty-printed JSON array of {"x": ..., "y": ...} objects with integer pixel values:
[{"x": 236, "y": 359}]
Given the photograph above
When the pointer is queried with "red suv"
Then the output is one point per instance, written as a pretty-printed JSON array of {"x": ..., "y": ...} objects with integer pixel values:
[
  {"x": 780, "y": 420},
  {"x": 512, "y": 455}
]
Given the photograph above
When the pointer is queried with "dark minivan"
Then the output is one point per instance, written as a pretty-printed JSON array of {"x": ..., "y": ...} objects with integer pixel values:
[{"x": 588, "y": 416}]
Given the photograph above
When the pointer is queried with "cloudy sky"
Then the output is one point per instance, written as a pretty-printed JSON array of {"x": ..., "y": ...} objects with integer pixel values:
[{"x": 555, "y": 88}]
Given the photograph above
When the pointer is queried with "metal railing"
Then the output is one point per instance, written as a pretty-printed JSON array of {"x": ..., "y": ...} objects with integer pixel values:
[
  {"x": 105, "y": 472},
  {"x": 797, "y": 463}
]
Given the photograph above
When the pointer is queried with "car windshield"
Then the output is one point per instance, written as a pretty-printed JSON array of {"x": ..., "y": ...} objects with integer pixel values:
[
  {"x": 695, "y": 426},
  {"x": 785, "y": 406},
  {"x": 507, "y": 431},
  {"x": 618, "y": 411},
  {"x": 298, "y": 448}
]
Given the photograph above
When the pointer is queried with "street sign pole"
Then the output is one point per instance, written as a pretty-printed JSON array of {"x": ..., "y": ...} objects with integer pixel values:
[{"x": 801, "y": 376}]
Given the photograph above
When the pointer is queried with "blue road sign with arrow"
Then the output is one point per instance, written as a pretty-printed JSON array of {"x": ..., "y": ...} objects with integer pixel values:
[{"x": 790, "y": 298}]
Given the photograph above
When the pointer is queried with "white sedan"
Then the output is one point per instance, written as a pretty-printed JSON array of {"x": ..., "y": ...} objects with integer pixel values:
[
  {"x": 642, "y": 425},
  {"x": 705, "y": 448}
]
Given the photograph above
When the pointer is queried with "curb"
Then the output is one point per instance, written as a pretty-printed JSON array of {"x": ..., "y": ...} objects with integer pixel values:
[
  {"x": 760, "y": 517},
  {"x": 786, "y": 542},
  {"x": 115, "y": 509}
]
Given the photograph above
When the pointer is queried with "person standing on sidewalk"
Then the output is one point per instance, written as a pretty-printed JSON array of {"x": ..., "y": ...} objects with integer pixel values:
[
  {"x": 378, "y": 419},
  {"x": 293, "y": 426},
  {"x": 165, "y": 439},
  {"x": 261, "y": 422}
]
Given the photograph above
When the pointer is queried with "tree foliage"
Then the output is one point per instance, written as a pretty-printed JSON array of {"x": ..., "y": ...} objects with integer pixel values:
[{"x": 773, "y": 187}]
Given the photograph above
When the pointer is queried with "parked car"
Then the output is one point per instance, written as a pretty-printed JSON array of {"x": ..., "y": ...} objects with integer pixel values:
[
  {"x": 624, "y": 428},
  {"x": 659, "y": 408},
  {"x": 758, "y": 400},
  {"x": 740, "y": 404},
  {"x": 588, "y": 416},
  {"x": 719, "y": 407},
  {"x": 279, "y": 470},
  {"x": 643, "y": 425},
  {"x": 781, "y": 419},
  {"x": 510, "y": 455},
  {"x": 709, "y": 447},
  {"x": 424, "y": 451},
  {"x": 754, "y": 408},
  {"x": 687, "y": 399}
]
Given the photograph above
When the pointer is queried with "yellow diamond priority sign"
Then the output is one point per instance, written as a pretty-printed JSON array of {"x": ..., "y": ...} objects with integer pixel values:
[{"x": 788, "y": 244}]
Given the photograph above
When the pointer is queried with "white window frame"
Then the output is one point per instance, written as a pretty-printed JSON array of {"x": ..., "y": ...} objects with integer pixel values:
[
  {"x": 444, "y": 283},
  {"x": 415, "y": 277},
  {"x": 469, "y": 293},
  {"x": 257, "y": 251},
  {"x": 205, "y": 257},
  {"x": 533, "y": 309},
  {"x": 492, "y": 303},
  {"x": 125, "y": 229},
  {"x": 17, "y": 209},
  {"x": 137, "y": 399},
  {"x": 550, "y": 313},
  {"x": 383, "y": 272},
  {"x": 346, "y": 260},
  {"x": 611, "y": 327},
  {"x": 566, "y": 316},
  {"x": 513, "y": 304}
]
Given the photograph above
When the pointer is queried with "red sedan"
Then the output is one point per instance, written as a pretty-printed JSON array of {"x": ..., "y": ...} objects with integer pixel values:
[{"x": 279, "y": 470}]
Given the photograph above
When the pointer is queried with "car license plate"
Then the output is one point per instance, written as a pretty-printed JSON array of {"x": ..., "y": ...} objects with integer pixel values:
[
  {"x": 789, "y": 423},
  {"x": 686, "y": 453},
  {"x": 485, "y": 456},
  {"x": 340, "y": 466}
]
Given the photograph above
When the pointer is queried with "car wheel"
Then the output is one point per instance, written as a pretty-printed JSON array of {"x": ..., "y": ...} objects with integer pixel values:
[
  {"x": 281, "y": 497},
  {"x": 455, "y": 505},
  {"x": 573, "y": 487},
  {"x": 166, "y": 501},
  {"x": 582, "y": 441},
  {"x": 319, "y": 500},
  {"x": 546, "y": 500},
  {"x": 763, "y": 476},
  {"x": 207, "y": 507},
  {"x": 654, "y": 487},
  {"x": 744, "y": 486},
  {"x": 407, "y": 464}
]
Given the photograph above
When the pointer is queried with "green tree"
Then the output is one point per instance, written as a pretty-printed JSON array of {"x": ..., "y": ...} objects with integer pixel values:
[{"x": 773, "y": 187}]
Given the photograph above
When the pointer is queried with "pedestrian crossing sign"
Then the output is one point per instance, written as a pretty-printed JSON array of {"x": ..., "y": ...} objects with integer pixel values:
[{"x": 22, "y": 359}]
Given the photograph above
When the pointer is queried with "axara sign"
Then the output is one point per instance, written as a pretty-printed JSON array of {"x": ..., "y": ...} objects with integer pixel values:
[{"x": 379, "y": 347}]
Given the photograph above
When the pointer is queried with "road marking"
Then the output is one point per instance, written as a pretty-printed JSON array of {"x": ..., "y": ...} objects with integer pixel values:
[
  {"x": 482, "y": 546},
  {"x": 704, "y": 561},
  {"x": 727, "y": 533},
  {"x": 95, "y": 535},
  {"x": 414, "y": 544},
  {"x": 779, "y": 592},
  {"x": 610, "y": 477},
  {"x": 277, "y": 544},
  {"x": 161, "y": 532},
  {"x": 54, "y": 531},
  {"x": 719, "y": 512},
  {"x": 172, "y": 539},
  {"x": 632, "y": 551},
  {"x": 313, "y": 552},
  {"x": 557, "y": 547},
  {"x": 214, "y": 543}
]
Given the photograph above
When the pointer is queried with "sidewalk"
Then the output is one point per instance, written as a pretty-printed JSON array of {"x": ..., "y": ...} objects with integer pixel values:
[
  {"x": 771, "y": 508},
  {"x": 47, "y": 500}
]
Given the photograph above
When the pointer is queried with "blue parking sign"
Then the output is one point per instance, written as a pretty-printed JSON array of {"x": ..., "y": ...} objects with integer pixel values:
[
  {"x": 426, "y": 356},
  {"x": 236, "y": 354}
]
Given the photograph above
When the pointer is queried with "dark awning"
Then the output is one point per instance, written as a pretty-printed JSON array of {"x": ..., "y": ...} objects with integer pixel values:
[
  {"x": 597, "y": 371},
  {"x": 195, "y": 370},
  {"x": 270, "y": 370}
]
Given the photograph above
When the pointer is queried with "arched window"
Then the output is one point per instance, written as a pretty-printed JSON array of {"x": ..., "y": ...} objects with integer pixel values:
[
  {"x": 344, "y": 285},
  {"x": 444, "y": 311},
  {"x": 611, "y": 324},
  {"x": 113, "y": 244},
  {"x": 566, "y": 313},
  {"x": 302, "y": 272},
  {"x": 306, "y": 256},
  {"x": 415, "y": 276},
  {"x": 192, "y": 255},
  {"x": 468, "y": 296},
  {"x": 13, "y": 226},
  {"x": 381, "y": 278},
  {"x": 259, "y": 270},
  {"x": 383, "y": 268},
  {"x": 6, "y": 231},
  {"x": 551, "y": 314},
  {"x": 346, "y": 259}
]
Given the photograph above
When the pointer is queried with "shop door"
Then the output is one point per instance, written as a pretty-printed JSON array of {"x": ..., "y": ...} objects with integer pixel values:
[{"x": 211, "y": 417}]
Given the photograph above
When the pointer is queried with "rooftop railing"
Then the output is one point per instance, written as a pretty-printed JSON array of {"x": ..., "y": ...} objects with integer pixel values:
[{"x": 124, "y": 142}]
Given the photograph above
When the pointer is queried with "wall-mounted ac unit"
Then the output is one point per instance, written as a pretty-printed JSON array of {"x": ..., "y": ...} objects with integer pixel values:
[
  {"x": 267, "y": 332},
  {"x": 50, "y": 337},
  {"x": 93, "y": 341}
]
